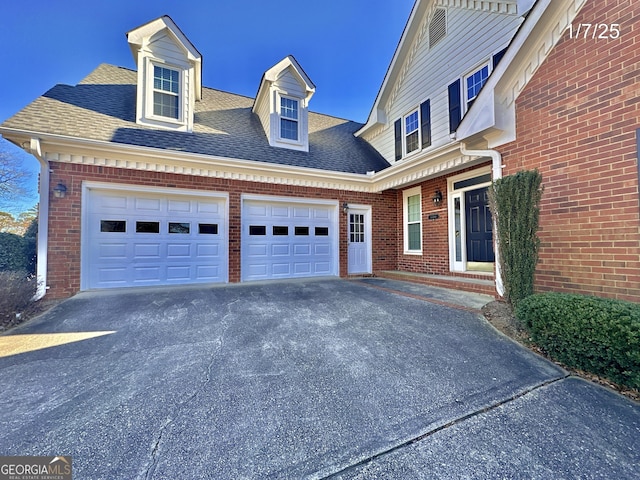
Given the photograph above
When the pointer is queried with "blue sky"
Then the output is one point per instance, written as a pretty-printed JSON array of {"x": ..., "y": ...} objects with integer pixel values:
[{"x": 345, "y": 46}]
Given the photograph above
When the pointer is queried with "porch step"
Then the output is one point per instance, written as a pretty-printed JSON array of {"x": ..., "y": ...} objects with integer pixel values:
[{"x": 467, "y": 284}]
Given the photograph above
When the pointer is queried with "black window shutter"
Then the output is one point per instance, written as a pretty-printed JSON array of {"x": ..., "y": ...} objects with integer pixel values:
[
  {"x": 455, "y": 106},
  {"x": 498, "y": 56},
  {"x": 425, "y": 123},
  {"x": 397, "y": 126}
]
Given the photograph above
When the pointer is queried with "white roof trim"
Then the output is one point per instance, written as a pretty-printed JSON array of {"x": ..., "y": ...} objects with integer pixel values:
[
  {"x": 272, "y": 74},
  {"x": 139, "y": 35},
  {"x": 493, "y": 112}
]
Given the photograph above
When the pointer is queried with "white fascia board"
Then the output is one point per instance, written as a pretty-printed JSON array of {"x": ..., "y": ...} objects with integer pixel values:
[
  {"x": 59, "y": 148},
  {"x": 397, "y": 61},
  {"x": 492, "y": 115}
]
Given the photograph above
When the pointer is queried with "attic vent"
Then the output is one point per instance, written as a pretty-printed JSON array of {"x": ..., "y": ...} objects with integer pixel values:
[{"x": 438, "y": 26}]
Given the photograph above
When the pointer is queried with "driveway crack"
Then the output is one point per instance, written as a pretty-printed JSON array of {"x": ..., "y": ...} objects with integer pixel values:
[
  {"x": 181, "y": 406},
  {"x": 445, "y": 426}
]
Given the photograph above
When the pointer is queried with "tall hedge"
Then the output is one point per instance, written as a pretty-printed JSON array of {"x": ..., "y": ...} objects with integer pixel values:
[{"x": 515, "y": 205}]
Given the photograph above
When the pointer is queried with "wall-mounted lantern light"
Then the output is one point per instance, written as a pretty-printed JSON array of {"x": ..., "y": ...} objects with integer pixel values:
[
  {"x": 60, "y": 190},
  {"x": 345, "y": 207},
  {"x": 437, "y": 197}
]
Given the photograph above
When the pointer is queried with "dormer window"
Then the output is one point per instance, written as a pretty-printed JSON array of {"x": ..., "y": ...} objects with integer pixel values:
[
  {"x": 169, "y": 75},
  {"x": 289, "y": 119},
  {"x": 282, "y": 105},
  {"x": 166, "y": 92}
]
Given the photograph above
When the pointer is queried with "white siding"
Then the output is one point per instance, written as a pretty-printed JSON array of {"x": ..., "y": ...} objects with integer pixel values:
[
  {"x": 472, "y": 37},
  {"x": 288, "y": 84},
  {"x": 164, "y": 47}
]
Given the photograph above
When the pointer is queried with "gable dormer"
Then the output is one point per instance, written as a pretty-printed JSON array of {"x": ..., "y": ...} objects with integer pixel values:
[
  {"x": 169, "y": 75},
  {"x": 282, "y": 104}
]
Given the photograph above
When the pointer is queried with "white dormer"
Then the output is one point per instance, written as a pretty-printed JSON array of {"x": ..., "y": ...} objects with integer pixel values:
[
  {"x": 169, "y": 75},
  {"x": 282, "y": 104}
]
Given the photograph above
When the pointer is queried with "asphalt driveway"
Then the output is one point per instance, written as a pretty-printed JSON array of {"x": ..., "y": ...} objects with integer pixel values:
[{"x": 315, "y": 379}]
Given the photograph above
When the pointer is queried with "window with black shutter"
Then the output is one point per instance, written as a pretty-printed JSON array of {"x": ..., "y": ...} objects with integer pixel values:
[
  {"x": 397, "y": 127},
  {"x": 425, "y": 123}
]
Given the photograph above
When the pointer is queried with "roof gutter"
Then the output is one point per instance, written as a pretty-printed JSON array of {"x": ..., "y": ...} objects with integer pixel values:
[{"x": 496, "y": 174}]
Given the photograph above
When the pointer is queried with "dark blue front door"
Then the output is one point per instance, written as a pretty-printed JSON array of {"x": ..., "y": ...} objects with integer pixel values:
[{"x": 479, "y": 226}]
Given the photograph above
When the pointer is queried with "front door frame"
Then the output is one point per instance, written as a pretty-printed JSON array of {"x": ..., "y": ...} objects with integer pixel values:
[
  {"x": 366, "y": 211},
  {"x": 457, "y": 221}
]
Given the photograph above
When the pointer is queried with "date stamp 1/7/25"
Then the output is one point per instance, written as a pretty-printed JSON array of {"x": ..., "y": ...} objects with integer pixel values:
[{"x": 594, "y": 31}]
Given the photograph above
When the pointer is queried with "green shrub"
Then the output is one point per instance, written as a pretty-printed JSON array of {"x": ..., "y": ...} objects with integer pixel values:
[
  {"x": 17, "y": 290},
  {"x": 515, "y": 205},
  {"x": 12, "y": 252},
  {"x": 17, "y": 253},
  {"x": 598, "y": 335}
]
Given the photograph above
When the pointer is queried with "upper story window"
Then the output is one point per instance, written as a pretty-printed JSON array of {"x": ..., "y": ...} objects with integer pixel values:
[
  {"x": 289, "y": 119},
  {"x": 413, "y": 132},
  {"x": 166, "y": 92},
  {"x": 474, "y": 83}
]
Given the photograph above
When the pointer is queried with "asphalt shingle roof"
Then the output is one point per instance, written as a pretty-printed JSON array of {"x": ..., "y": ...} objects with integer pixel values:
[{"x": 102, "y": 107}]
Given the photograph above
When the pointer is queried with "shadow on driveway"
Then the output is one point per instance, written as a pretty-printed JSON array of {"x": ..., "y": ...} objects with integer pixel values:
[{"x": 301, "y": 379}]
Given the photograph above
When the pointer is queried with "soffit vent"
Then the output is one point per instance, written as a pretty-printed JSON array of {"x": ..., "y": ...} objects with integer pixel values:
[{"x": 438, "y": 26}]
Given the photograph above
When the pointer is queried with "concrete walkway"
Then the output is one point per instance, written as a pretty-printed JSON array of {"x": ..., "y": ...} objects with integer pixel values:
[{"x": 301, "y": 379}]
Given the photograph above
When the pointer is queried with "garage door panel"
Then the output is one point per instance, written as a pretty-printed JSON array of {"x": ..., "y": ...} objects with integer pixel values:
[
  {"x": 149, "y": 273},
  {"x": 178, "y": 272},
  {"x": 113, "y": 250},
  {"x": 178, "y": 250},
  {"x": 146, "y": 250},
  {"x": 208, "y": 272},
  {"x": 147, "y": 204},
  {"x": 280, "y": 250},
  {"x": 205, "y": 250},
  {"x": 322, "y": 268},
  {"x": 184, "y": 239},
  {"x": 302, "y": 249},
  {"x": 212, "y": 209},
  {"x": 179, "y": 206}
]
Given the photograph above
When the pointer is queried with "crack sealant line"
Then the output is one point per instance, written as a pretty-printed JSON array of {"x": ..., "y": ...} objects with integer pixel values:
[
  {"x": 421, "y": 297},
  {"x": 447, "y": 425}
]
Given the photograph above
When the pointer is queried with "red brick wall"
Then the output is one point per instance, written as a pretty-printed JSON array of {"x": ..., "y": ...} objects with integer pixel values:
[
  {"x": 65, "y": 217},
  {"x": 576, "y": 123},
  {"x": 435, "y": 243}
]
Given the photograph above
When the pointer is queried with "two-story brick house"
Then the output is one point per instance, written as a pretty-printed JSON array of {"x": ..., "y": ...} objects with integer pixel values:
[{"x": 150, "y": 178}]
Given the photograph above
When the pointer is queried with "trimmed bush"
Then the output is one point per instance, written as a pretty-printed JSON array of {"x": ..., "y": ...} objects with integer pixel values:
[{"x": 598, "y": 335}]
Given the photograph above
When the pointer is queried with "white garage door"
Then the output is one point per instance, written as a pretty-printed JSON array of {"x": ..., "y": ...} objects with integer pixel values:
[
  {"x": 288, "y": 239},
  {"x": 151, "y": 238}
]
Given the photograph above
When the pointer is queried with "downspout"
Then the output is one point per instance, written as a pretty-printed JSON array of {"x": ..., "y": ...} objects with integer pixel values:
[
  {"x": 496, "y": 167},
  {"x": 35, "y": 149}
]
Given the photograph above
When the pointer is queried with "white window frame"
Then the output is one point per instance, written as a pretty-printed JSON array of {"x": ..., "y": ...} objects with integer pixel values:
[
  {"x": 406, "y": 194},
  {"x": 281, "y": 117},
  {"x": 405, "y": 133},
  {"x": 464, "y": 88},
  {"x": 149, "y": 110}
]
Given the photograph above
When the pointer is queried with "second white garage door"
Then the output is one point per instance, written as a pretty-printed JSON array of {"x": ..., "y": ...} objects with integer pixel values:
[{"x": 288, "y": 238}]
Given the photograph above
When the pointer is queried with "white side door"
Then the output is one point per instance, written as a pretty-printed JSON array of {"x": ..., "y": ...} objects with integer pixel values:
[{"x": 359, "y": 239}]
